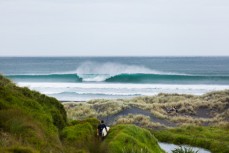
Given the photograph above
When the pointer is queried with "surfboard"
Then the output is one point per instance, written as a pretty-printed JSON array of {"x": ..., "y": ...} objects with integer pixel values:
[{"x": 104, "y": 132}]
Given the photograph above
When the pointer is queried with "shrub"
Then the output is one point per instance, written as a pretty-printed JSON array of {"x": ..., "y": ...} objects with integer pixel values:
[{"x": 184, "y": 150}]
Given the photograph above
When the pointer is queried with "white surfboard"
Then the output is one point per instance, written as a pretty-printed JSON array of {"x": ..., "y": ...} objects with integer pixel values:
[{"x": 104, "y": 132}]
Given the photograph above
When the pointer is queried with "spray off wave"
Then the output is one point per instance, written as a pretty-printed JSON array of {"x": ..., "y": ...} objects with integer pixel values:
[
  {"x": 113, "y": 69},
  {"x": 106, "y": 72},
  {"x": 99, "y": 72}
]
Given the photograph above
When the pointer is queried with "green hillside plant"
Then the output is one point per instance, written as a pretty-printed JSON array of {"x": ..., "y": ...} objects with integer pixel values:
[
  {"x": 130, "y": 139},
  {"x": 31, "y": 122},
  {"x": 184, "y": 150}
]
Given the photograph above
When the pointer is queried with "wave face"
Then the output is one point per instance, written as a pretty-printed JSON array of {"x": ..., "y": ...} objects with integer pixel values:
[
  {"x": 170, "y": 79},
  {"x": 124, "y": 78},
  {"x": 121, "y": 73},
  {"x": 96, "y": 72}
]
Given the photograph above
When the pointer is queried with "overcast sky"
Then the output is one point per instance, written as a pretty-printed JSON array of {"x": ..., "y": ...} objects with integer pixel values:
[{"x": 114, "y": 27}]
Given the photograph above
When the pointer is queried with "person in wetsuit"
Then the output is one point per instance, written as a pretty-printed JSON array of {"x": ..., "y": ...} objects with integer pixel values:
[{"x": 100, "y": 128}]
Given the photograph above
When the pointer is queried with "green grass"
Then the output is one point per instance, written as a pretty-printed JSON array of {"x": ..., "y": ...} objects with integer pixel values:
[
  {"x": 130, "y": 139},
  {"x": 31, "y": 122},
  {"x": 80, "y": 135},
  {"x": 214, "y": 139},
  {"x": 29, "y": 119}
]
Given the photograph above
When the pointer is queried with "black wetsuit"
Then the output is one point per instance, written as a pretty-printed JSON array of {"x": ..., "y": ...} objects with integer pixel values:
[{"x": 101, "y": 127}]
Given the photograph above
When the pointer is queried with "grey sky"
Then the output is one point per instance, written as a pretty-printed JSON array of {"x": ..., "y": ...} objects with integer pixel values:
[{"x": 114, "y": 27}]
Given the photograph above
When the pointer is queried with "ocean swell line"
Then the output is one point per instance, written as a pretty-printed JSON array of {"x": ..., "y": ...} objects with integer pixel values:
[
  {"x": 47, "y": 77},
  {"x": 124, "y": 78}
]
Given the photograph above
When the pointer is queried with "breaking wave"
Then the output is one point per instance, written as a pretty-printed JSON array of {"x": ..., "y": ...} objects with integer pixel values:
[
  {"x": 123, "y": 78},
  {"x": 120, "y": 73}
]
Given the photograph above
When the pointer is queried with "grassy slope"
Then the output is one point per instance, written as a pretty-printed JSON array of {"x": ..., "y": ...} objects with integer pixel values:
[
  {"x": 31, "y": 122},
  {"x": 80, "y": 136},
  {"x": 130, "y": 139},
  {"x": 29, "y": 119},
  {"x": 213, "y": 138}
]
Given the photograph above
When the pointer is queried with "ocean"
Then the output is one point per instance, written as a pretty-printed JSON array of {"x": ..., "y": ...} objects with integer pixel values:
[{"x": 86, "y": 78}]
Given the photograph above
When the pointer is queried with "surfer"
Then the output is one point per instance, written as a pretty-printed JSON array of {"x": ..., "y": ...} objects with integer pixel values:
[{"x": 102, "y": 130}]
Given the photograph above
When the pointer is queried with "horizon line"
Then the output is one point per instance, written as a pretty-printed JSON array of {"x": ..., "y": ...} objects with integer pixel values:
[{"x": 116, "y": 56}]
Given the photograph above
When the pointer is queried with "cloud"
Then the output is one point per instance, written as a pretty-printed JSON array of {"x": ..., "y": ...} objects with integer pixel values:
[{"x": 114, "y": 27}]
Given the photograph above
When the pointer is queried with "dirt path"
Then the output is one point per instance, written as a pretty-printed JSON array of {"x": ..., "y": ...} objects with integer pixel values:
[{"x": 109, "y": 120}]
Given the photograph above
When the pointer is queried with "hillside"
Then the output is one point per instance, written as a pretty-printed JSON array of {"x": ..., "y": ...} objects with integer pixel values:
[{"x": 31, "y": 122}]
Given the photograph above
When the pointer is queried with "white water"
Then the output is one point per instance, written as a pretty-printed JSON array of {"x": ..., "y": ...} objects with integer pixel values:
[
  {"x": 169, "y": 147},
  {"x": 88, "y": 91}
]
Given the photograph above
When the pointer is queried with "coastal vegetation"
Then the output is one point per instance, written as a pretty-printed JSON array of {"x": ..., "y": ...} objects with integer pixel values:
[
  {"x": 31, "y": 122},
  {"x": 201, "y": 121},
  {"x": 183, "y": 150},
  {"x": 130, "y": 139},
  {"x": 214, "y": 138},
  {"x": 177, "y": 109}
]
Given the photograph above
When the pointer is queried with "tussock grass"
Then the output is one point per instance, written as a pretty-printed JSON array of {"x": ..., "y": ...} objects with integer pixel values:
[
  {"x": 208, "y": 109},
  {"x": 201, "y": 121},
  {"x": 139, "y": 119},
  {"x": 94, "y": 108},
  {"x": 80, "y": 111}
]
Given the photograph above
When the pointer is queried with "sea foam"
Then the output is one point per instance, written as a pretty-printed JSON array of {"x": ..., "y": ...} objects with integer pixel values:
[{"x": 87, "y": 91}]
